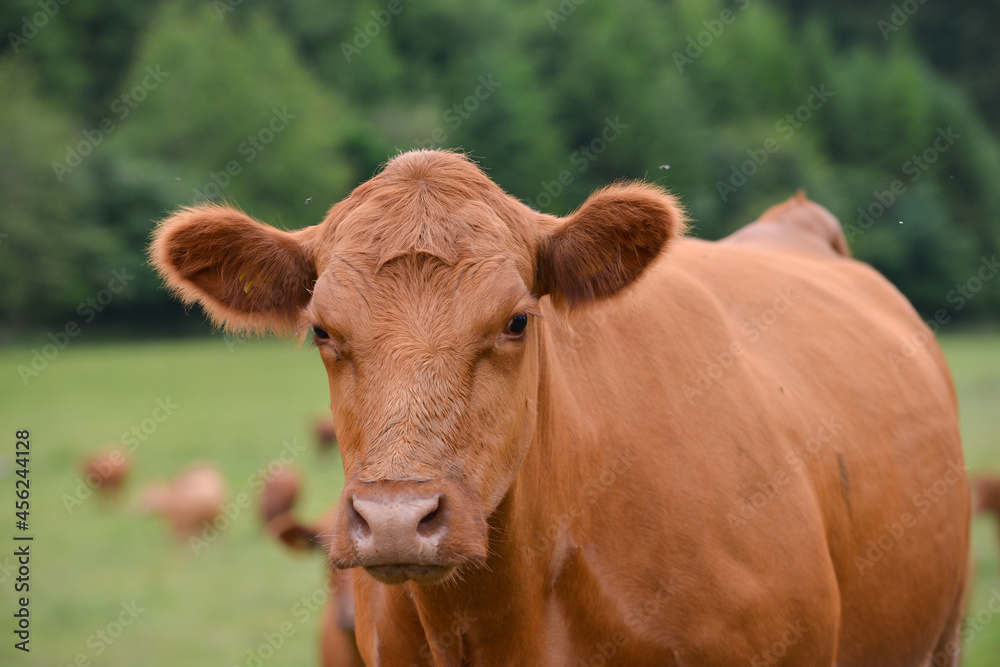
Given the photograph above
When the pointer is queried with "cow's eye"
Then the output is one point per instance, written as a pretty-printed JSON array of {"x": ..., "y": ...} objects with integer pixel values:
[
  {"x": 516, "y": 325},
  {"x": 320, "y": 333}
]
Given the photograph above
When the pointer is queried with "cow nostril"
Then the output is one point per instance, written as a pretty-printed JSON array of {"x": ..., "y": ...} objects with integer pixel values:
[
  {"x": 357, "y": 522},
  {"x": 429, "y": 518},
  {"x": 433, "y": 521}
]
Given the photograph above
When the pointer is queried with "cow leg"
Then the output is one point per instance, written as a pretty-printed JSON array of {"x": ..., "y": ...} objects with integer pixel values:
[{"x": 947, "y": 653}]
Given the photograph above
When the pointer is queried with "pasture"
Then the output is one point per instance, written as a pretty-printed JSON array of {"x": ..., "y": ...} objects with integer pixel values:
[{"x": 108, "y": 586}]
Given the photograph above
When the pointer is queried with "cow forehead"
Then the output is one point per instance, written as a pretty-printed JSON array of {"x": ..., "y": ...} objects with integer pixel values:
[
  {"x": 430, "y": 236},
  {"x": 434, "y": 203},
  {"x": 417, "y": 295},
  {"x": 461, "y": 231}
]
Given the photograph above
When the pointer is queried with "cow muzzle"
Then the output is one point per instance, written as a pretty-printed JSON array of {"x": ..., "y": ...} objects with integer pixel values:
[{"x": 407, "y": 530}]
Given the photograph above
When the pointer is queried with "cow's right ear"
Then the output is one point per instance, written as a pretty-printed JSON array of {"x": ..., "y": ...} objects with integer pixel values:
[
  {"x": 601, "y": 249},
  {"x": 247, "y": 276}
]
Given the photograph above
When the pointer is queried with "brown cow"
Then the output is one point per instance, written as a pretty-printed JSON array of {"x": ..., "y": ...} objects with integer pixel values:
[
  {"x": 189, "y": 502},
  {"x": 107, "y": 471},
  {"x": 326, "y": 434},
  {"x": 585, "y": 439},
  {"x": 986, "y": 489},
  {"x": 987, "y": 493},
  {"x": 277, "y": 501}
]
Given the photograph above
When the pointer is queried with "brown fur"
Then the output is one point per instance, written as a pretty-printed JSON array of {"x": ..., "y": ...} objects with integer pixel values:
[
  {"x": 189, "y": 502},
  {"x": 326, "y": 434},
  {"x": 986, "y": 491},
  {"x": 661, "y": 383},
  {"x": 277, "y": 499},
  {"x": 987, "y": 494},
  {"x": 109, "y": 470},
  {"x": 797, "y": 224},
  {"x": 608, "y": 243},
  {"x": 254, "y": 276}
]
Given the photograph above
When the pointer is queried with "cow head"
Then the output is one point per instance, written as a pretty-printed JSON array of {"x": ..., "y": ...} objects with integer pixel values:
[{"x": 421, "y": 291}]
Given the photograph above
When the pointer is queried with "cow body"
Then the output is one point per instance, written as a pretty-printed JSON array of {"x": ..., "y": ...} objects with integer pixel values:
[
  {"x": 749, "y": 455},
  {"x": 190, "y": 502},
  {"x": 812, "y": 419}
]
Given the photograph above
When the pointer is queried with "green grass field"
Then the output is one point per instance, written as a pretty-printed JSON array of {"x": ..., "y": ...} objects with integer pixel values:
[{"x": 241, "y": 405}]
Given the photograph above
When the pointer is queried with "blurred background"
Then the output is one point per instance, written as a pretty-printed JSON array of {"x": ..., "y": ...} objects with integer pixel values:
[{"x": 113, "y": 113}]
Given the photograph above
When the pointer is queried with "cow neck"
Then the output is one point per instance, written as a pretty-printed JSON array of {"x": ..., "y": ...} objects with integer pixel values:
[{"x": 498, "y": 609}]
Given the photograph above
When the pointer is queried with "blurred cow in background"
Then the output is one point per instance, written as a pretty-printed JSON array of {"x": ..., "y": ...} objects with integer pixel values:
[
  {"x": 189, "y": 502},
  {"x": 107, "y": 471},
  {"x": 277, "y": 500},
  {"x": 986, "y": 493},
  {"x": 326, "y": 435}
]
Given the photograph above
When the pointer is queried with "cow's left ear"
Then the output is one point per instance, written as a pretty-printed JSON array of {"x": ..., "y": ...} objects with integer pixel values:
[
  {"x": 245, "y": 274},
  {"x": 607, "y": 243}
]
